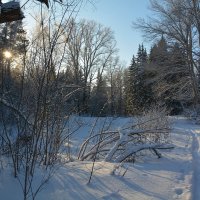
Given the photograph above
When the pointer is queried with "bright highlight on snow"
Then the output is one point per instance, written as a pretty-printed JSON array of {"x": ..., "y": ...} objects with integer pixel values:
[{"x": 7, "y": 54}]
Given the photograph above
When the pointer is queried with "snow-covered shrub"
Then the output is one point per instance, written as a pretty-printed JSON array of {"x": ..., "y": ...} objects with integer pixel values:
[
  {"x": 156, "y": 124},
  {"x": 147, "y": 132},
  {"x": 193, "y": 114}
]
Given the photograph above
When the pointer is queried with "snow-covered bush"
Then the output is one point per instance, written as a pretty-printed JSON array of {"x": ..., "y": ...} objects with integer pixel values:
[
  {"x": 156, "y": 124},
  {"x": 147, "y": 132},
  {"x": 193, "y": 114}
]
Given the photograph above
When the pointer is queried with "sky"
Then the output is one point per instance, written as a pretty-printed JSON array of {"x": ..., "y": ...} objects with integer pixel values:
[{"x": 119, "y": 15}]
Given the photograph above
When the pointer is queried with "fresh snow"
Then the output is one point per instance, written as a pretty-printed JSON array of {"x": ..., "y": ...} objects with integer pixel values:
[{"x": 174, "y": 176}]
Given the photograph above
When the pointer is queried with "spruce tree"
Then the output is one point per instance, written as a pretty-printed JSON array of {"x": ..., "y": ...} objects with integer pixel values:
[
  {"x": 158, "y": 63},
  {"x": 98, "y": 104},
  {"x": 159, "y": 52},
  {"x": 129, "y": 88},
  {"x": 139, "y": 93},
  {"x": 168, "y": 75},
  {"x": 176, "y": 78},
  {"x": 142, "y": 56}
]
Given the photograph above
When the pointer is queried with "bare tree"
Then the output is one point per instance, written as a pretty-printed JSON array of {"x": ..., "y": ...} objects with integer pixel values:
[
  {"x": 90, "y": 49},
  {"x": 116, "y": 90}
]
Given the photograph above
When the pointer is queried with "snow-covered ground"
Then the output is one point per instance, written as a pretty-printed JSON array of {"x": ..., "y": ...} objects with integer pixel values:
[{"x": 174, "y": 176}]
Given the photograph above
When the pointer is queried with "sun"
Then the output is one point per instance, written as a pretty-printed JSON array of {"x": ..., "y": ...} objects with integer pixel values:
[{"x": 7, "y": 54}]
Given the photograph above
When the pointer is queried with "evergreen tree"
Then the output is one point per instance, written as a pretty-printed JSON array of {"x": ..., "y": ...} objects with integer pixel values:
[
  {"x": 168, "y": 73},
  {"x": 99, "y": 99},
  {"x": 129, "y": 87},
  {"x": 176, "y": 77},
  {"x": 163, "y": 48},
  {"x": 142, "y": 56},
  {"x": 139, "y": 92},
  {"x": 158, "y": 63}
]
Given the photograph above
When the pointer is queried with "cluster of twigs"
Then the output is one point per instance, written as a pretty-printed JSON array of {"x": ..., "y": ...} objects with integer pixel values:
[{"x": 150, "y": 132}]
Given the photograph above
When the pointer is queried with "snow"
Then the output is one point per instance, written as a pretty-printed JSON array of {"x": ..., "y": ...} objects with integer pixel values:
[
  {"x": 174, "y": 176},
  {"x": 196, "y": 163}
]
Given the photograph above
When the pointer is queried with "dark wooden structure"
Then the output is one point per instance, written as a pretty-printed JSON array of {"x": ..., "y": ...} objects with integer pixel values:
[{"x": 10, "y": 11}]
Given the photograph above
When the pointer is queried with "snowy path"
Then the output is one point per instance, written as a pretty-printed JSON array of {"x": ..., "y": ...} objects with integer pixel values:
[
  {"x": 189, "y": 182},
  {"x": 196, "y": 164}
]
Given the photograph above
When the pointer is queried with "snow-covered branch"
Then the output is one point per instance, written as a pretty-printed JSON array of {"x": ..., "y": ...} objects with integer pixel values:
[{"x": 150, "y": 132}]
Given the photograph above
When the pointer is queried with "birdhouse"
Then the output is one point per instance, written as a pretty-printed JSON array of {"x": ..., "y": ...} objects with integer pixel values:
[{"x": 10, "y": 11}]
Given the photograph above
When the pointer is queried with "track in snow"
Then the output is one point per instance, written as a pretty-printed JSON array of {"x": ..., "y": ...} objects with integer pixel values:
[{"x": 196, "y": 164}]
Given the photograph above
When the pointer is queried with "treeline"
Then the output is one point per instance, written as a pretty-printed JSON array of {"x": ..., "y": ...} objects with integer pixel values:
[
  {"x": 158, "y": 78},
  {"x": 88, "y": 73}
]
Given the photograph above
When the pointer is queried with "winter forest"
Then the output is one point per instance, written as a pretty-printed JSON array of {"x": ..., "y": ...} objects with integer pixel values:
[{"x": 76, "y": 123}]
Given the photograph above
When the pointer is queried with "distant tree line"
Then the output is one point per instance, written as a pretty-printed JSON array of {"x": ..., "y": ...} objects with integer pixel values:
[
  {"x": 91, "y": 72},
  {"x": 158, "y": 78},
  {"x": 84, "y": 64}
]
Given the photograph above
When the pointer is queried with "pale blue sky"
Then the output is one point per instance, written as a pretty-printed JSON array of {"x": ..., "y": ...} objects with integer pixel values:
[
  {"x": 116, "y": 14},
  {"x": 119, "y": 15}
]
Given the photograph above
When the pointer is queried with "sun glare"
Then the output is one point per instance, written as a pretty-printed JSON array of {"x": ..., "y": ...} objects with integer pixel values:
[{"x": 7, "y": 54}]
